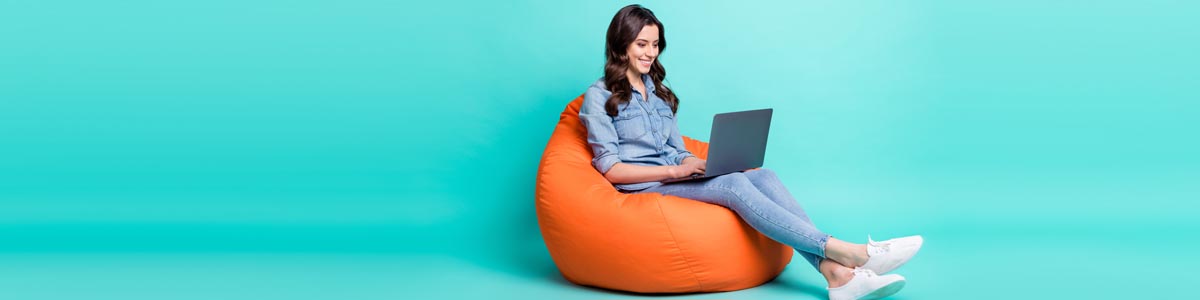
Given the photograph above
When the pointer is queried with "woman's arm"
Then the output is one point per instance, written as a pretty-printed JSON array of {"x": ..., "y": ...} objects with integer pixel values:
[
  {"x": 601, "y": 135},
  {"x": 622, "y": 173}
]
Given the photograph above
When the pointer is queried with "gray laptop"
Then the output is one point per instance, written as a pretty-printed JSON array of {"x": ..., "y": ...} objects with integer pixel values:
[{"x": 737, "y": 143}]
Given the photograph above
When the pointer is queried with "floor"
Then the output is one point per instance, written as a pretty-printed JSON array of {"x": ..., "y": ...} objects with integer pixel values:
[{"x": 953, "y": 265}]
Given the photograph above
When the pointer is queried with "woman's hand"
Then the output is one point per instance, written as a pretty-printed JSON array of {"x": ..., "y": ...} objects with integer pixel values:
[
  {"x": 689, "y": 166},
  {"x": 622, "y": 173}
]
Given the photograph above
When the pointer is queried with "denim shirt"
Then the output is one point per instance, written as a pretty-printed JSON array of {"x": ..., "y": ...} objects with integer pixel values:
[{"x": 643, "y": 133}]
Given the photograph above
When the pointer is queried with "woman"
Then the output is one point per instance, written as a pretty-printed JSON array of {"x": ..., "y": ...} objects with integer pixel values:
[{"x": 632, "y": 131}]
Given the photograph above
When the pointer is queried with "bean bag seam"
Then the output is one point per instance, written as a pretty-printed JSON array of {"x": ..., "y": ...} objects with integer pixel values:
[{"x": 691, "y": 269}]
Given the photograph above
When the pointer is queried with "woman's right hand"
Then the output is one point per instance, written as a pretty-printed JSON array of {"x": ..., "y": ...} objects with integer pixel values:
[
  {"x": 689, "y": 167},
  {"x": 622, "y": 173}
]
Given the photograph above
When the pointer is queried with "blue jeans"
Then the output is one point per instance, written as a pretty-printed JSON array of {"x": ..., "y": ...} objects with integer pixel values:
[{"x": 760, "y": 199}]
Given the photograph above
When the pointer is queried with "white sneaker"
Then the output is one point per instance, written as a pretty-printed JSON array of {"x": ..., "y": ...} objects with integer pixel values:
[
  {"x": 888, "y": 255},
  {"x": 867, "y": 285}
]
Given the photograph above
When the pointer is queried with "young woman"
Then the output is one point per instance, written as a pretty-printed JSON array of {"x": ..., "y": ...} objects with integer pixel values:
[{"x": 630, "y": 118}]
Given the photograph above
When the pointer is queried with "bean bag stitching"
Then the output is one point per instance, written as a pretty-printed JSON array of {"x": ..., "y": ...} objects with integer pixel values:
[{"x": 658, "y": 203}]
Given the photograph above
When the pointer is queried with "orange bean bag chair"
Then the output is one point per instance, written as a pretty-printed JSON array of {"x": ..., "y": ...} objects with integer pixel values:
[{"x": 646, "y": 243}]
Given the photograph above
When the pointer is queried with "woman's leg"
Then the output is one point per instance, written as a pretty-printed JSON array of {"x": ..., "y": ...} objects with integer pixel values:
[
  {"x": 736, "y": 192},
  {"x": 769, "y": 184},
  {"x": 836, "y": 274}
]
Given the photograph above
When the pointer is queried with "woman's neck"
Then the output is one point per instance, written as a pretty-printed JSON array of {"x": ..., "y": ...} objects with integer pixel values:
[{"x": 635, "y": 80}]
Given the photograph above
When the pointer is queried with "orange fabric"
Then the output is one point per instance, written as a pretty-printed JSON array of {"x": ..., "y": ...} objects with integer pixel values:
[{"x": 647, "y": 243}]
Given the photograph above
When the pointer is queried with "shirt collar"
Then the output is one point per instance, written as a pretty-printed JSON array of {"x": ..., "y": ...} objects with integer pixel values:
[{"x": 649, "y": 83}]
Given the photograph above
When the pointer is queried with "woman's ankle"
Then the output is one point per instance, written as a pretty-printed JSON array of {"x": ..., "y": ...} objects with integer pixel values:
[
  {"x": 836, "y": 274},
  {"x": 845, "y": 253}
]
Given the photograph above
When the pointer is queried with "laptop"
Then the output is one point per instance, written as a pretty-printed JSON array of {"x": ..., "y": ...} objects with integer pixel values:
[{"x": 738, "y": 142}]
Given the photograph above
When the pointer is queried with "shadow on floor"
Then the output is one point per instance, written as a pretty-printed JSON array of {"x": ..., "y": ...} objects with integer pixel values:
[{"x": 800, "y": 286}]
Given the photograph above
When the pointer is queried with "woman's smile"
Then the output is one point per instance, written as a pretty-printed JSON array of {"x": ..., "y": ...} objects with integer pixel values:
[{"x": 645, "y": 62}]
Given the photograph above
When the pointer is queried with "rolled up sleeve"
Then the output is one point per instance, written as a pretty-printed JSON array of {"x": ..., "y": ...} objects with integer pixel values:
[
  {"x": 676, "y": 141},
  {"x": 601, "y": 135}
]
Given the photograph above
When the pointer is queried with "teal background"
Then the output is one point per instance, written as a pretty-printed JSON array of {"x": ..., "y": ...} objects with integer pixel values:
[{"x": 367, "y": 149}]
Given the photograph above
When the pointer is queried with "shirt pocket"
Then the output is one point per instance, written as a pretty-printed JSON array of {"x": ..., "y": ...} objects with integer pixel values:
[
  {"x": 630, "y": 126},
  {"x": 668, "y": 121}
]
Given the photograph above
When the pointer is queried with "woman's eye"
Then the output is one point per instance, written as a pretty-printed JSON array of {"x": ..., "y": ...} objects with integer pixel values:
[{"x": 641, "y": 45}]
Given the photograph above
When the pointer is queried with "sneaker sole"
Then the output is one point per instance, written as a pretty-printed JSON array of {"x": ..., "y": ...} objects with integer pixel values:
[{"x": 884, "y": 291}]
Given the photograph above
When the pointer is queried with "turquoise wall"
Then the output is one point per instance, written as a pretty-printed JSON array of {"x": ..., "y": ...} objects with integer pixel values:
[{"x": 184, "y": 143}]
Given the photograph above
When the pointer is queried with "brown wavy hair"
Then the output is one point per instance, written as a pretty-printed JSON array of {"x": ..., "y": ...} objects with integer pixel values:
[{"x": 623, "y": 30}]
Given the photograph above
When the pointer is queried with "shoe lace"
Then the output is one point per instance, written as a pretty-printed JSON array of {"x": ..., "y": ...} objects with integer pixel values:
[
  {"x": 876, "y": 248},
  {"x": 866, "y": 273}
]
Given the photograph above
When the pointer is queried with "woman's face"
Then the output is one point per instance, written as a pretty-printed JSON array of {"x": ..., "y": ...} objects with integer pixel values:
[{"x": 643, "y": 50}]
